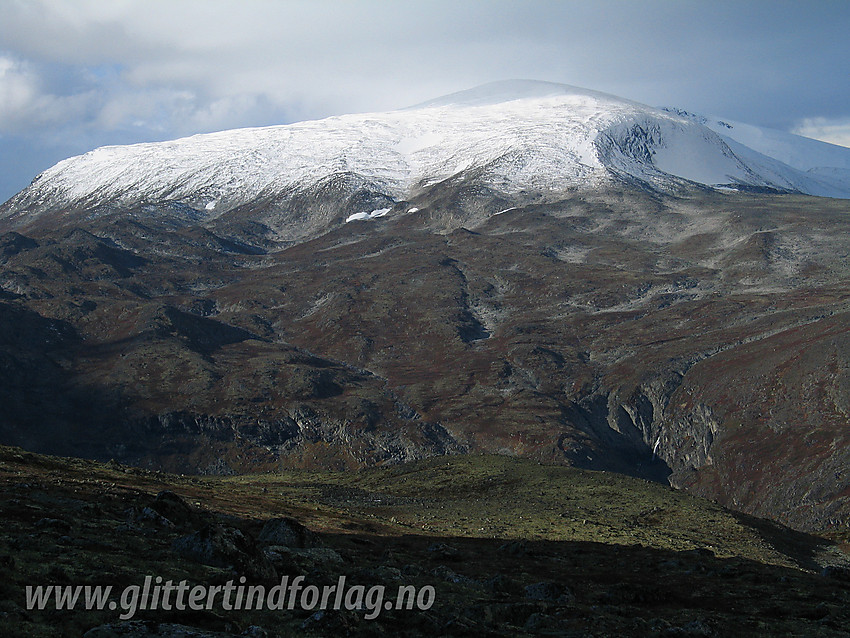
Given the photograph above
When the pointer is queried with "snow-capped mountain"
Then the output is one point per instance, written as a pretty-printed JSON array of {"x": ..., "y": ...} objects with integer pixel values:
[
  {"x": 496, "y": 271},
  {"x": 513, "y": 136}
]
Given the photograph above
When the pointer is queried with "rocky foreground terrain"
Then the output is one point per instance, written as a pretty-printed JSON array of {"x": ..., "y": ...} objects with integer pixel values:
[{"x": 511, "y": 547}]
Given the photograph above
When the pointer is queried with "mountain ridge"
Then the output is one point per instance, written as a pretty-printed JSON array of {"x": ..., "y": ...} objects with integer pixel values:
[{"x": 510, "y": 136}]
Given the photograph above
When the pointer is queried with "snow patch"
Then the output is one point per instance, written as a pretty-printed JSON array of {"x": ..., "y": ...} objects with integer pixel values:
[
  {"x": 367, "y": 216},
  {"x": 410, "y": 145}
]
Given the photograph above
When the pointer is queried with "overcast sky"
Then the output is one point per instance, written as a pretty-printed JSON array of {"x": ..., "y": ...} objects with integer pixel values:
[{"x": 77, "y": 74}]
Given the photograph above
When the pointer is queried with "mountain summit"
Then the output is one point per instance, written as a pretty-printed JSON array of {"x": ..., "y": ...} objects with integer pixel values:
[
  {"x": 511, "y": 137},
  {"x": 523, "y": 269}
]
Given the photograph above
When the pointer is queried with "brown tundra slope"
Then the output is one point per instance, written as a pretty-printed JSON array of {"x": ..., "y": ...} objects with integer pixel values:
[{"x": 700, "y": 338}]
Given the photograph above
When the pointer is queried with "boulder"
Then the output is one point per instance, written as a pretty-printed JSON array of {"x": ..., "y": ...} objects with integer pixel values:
[{"x": 227, "y": 547}]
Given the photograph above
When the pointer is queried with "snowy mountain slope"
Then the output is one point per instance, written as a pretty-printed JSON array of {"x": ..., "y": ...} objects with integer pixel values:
[
  {"x": 515, "y": 136},
  {"x": 827, "y": 166},
  {"x": 796, "y": 151}
]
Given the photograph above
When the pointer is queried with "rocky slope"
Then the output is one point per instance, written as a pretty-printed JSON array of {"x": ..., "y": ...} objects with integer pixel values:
[{"x": 702, "y": 337}]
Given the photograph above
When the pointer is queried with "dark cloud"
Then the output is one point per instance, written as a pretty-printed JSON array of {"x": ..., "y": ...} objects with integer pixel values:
[{"x": 82, "y": 73}]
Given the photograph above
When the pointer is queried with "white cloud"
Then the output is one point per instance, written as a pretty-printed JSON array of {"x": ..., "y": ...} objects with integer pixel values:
[
  {"x": 26, "y": 102},
  {"x": 249, "y": 62},
  {"x": 153, "y": 109},
  {"x": 834, "y": 131},
  {"x": 197, "y": 66},
  {"x": 17, "y": 89}
]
